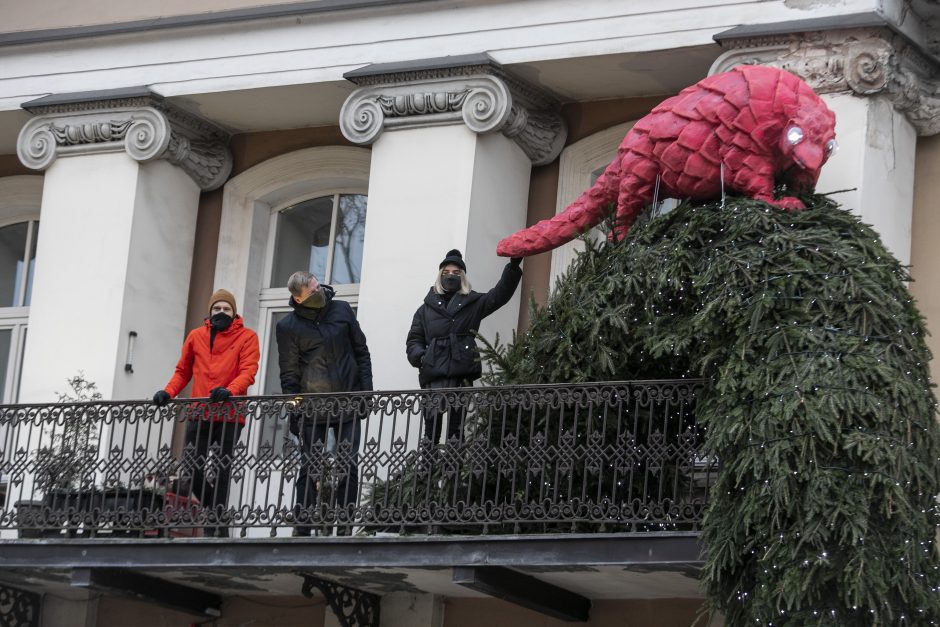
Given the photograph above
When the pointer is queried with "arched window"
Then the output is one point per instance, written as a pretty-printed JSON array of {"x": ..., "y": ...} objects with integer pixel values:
[
  {"x": 20, "y": 199},
  {"x": 19, "y": 228}
]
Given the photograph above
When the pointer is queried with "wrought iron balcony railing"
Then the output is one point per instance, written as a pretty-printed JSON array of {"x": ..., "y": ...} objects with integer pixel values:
[{"x": 614, "y": 457}]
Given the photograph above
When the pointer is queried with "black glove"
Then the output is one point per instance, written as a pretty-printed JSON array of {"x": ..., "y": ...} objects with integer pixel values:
[
  {"x": 515, "y": 261},
  {"x": 295, "y": 416},
  {"x": 161, "y": 398},
  {"x": 219, "y": 395}
]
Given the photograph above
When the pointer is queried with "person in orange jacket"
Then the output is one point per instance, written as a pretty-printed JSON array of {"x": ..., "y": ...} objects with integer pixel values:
[{"x": 221, "y": 358}]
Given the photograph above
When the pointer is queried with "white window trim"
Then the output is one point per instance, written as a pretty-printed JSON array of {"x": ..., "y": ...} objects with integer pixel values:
[{"x": 577, "y": 163}]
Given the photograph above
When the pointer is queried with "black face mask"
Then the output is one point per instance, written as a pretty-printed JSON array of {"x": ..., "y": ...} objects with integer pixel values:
[
  {"x": 451, "y": 283},
  {"x": 221, "y": 321},
  {"x": 218, "y": 323}
]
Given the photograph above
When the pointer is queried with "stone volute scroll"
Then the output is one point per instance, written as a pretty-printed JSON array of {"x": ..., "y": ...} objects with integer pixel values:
[
  {"x": 134, "y": 120},
  {"x": 473, "y": 90}
]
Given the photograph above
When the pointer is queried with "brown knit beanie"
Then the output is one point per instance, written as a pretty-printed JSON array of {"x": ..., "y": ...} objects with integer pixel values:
[{"x": 225, "y": 296}]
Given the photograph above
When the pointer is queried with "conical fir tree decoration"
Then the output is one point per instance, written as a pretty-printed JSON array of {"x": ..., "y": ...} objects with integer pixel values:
[{"x": 819, "y": 409}]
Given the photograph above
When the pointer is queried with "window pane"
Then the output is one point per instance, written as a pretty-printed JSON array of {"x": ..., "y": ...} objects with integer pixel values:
[
  {"x": 6, "y": 336},
  {"x": 350, "y": 233},
  {"x": 272, "y": 373},
  {"x": 303, "y": 240},
  {"x": 12, "y": 269},
  {"x": 32, "y": 263}
]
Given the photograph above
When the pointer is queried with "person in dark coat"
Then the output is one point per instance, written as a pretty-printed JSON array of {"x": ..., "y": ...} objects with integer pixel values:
[
  {"x": 441, "y": 342},
  {"x": 321, "y": 348}
]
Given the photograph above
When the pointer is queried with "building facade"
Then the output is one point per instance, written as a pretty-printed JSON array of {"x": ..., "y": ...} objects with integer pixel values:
[{"x": 151, "y": 153}]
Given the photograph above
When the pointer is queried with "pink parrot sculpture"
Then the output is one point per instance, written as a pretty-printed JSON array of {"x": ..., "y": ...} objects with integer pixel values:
[{"x": 758, "y": 124}]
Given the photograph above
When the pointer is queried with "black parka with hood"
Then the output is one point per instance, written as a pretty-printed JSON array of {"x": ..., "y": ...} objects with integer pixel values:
[
  {"x": 441, "y": 343},
  {"x": 323, "y": 350}
]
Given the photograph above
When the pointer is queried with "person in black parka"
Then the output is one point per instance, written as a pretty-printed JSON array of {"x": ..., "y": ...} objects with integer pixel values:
[
  {"x": 321, "y": 348},
  {"x": 441, "y": 342}
]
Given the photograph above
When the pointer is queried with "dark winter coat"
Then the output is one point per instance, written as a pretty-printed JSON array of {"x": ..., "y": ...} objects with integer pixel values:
[
  {"x": 441, "y": 343},
  {"x": 323, "y": 350}
]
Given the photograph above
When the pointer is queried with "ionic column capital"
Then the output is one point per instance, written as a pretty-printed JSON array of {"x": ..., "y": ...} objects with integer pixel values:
[
  {"x": 865, "y": 61},
  {"x": 136, "y": 121},
  {"x": 471, "y": 90}
]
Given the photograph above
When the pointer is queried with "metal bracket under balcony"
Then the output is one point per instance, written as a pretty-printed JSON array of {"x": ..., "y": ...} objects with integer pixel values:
[
  {"x": 353, "y": 608},
  {"x": 19, "y": 608}
]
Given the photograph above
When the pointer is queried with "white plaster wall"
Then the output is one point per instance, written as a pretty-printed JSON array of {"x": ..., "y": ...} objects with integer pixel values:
[
  {"x": 321, "y": 48},
  {"x": 81, "y": 258},
  {"x": 876, "y": 161},
  {"x": 419, "y": 207},
  {"x": 400, "y": 609},
  {"x": 157, "y": 278},
  {"x": 498, "y": 204}
]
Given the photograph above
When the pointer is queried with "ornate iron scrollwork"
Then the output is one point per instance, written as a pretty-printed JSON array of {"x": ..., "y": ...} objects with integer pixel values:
[
  {"x": 19, "y": 608},
  {"x": 353, "y": 608}
]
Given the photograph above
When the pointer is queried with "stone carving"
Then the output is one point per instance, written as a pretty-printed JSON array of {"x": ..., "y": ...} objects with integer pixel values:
[
  {"x": 146, "y": 127},
  {"x": 864, "y": 61},
  {"x": 19, "y": 608},
  {"x": 421, "y": 103},
  {"x": 482, "y": 96}
]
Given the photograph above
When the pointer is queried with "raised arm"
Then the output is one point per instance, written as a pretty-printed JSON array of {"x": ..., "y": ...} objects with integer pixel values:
[{"x": 504, "y": 288}]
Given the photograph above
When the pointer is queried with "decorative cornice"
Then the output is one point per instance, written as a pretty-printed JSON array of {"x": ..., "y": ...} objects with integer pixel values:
[
  {"x": 146, "y": 126},
  {"x": 479, "y": 94},
  {"x": 862, "y": 61}
]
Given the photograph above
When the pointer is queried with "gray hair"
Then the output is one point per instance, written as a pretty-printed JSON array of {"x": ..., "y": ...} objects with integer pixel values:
[
  {"x": 298, "y": 281},
  {"x": 464, "y": 282}
]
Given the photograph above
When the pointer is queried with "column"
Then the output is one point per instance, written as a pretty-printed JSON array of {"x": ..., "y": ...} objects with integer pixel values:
[
  {"x": 883, "y": 92},
  {"x": 123, "y": 174},
  {"x": 453, "y": 143}
]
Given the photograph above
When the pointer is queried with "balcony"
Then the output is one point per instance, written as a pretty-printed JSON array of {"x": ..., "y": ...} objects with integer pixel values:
[{"x": 541, "y": 479}]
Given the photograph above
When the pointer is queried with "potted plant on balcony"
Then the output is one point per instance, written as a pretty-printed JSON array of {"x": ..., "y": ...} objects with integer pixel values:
[{"x": 65, "y": 464}]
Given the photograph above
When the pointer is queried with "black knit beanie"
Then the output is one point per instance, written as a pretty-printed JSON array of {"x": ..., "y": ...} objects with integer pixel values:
[{"x": 453, "y": 257}]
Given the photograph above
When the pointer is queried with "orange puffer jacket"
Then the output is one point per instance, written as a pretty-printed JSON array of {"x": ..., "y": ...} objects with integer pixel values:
[{"x": 232, "y": 364}]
